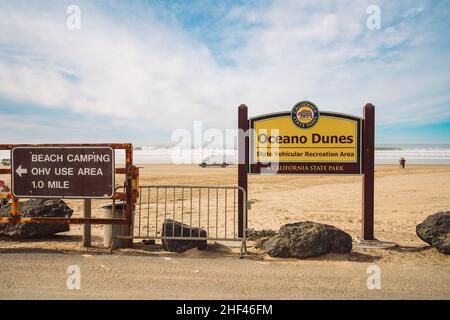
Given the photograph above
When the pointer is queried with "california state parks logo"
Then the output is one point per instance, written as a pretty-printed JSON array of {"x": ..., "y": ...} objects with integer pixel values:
[{"x": 305, "y": 114}]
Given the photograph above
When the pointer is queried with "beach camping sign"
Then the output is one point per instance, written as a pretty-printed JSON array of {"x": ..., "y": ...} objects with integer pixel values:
[
  {"x": 63, "y": 172},
  {"x": 305, "y": 141}
]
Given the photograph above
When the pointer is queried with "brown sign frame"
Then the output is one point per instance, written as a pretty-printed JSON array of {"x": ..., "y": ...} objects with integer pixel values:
[
  {"x": 76, "y": 194},
  {"x": 367, "y": 158},
  {"x": 350, "y": 168}
]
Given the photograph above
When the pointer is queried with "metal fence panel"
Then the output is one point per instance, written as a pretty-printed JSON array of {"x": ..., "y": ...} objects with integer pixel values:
[{"x": 211, "y": 208}]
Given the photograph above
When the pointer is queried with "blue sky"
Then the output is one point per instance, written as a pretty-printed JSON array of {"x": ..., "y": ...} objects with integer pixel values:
[{"x": 138, "y": 70}]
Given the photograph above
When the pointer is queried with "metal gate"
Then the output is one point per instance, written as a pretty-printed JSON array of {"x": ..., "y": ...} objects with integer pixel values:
[{"x": 211, "y": 208}]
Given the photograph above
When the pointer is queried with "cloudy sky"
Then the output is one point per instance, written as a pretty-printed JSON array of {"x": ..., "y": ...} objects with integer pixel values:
[{"x": 137, "y": 70}]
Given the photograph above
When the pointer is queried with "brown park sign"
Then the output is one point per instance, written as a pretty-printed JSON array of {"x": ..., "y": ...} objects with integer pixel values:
[
  {"x": 308, "y": 141},
  {"x": 62, "y": 172}
]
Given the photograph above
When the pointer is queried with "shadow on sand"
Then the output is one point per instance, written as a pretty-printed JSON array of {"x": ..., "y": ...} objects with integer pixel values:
[
  {"x": 352, "y": 257},
  {"x": 404, "y": 249},
  {"x": 58, "y": 244},
  {"x": 30, "y": 251},
  {"x": 54, "y": 238},
  {"x": 72, "y": 245}
]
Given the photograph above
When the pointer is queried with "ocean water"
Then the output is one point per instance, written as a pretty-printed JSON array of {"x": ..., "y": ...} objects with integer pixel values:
[
  {"x": 414, "y": 154},
  {"x": 384, "y": 154}
]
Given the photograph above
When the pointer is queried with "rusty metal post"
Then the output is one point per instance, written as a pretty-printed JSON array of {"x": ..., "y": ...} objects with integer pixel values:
[
  {"x": 14, "y": 207},
  {"x": 243, "y": 160},
  {"x": 129, "y": 207},
  {"x": 87, "y": 227},
  {"x": 368, "y": 176}
]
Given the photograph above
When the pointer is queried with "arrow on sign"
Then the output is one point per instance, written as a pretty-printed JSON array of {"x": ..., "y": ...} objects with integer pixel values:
[{"x": 21, "y": 171}]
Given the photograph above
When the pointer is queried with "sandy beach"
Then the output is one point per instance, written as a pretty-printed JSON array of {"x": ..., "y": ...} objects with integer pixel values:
[{"x": 403, "y": 199}]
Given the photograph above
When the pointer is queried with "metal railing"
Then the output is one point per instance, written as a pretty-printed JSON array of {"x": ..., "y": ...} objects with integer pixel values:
[{"x": 213, "y": 209}]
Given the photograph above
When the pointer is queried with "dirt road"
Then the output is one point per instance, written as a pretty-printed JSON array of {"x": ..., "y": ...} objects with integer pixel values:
[{"x": 43, "y": 275}]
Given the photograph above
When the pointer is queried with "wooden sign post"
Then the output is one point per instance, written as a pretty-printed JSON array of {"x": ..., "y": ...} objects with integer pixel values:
[
  {"x": 87, "y": 227},
  {"x": 242, "y": 166},
  {"x": 308, "y": 141},
  {"x": 368, "y": 184}
]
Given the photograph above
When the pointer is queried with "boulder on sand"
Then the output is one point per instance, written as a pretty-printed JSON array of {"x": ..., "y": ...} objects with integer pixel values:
[
  {"x": 36, "y": 208},
  {"x": 171, "y": 228},
  {"x": 307, "y": 239},
  {"x": 435, "y": 230}
]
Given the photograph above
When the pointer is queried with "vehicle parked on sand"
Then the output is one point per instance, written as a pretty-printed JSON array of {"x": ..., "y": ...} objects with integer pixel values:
[{"x": 215, "y": 161}]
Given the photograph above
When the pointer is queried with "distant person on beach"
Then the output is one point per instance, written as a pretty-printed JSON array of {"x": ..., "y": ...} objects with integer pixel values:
[
  {"x": 3, "y": 189},
  {"x": 402, "y": 162}
]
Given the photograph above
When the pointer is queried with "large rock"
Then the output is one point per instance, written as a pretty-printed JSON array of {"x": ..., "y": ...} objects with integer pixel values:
[
  {"x": 36, "y": 208},
  {"x": 435, "y": 230},
  {"x": 307, "y": 239},
  {"x": 253, "y": 234},
  {"x": 174, "y": 229}
]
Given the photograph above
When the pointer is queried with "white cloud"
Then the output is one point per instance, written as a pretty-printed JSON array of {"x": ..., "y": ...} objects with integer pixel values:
[
  {"x": 151, "y": 73},
  {"x": 129, "y": 63},
  {"x": 412, "y": 12}
]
